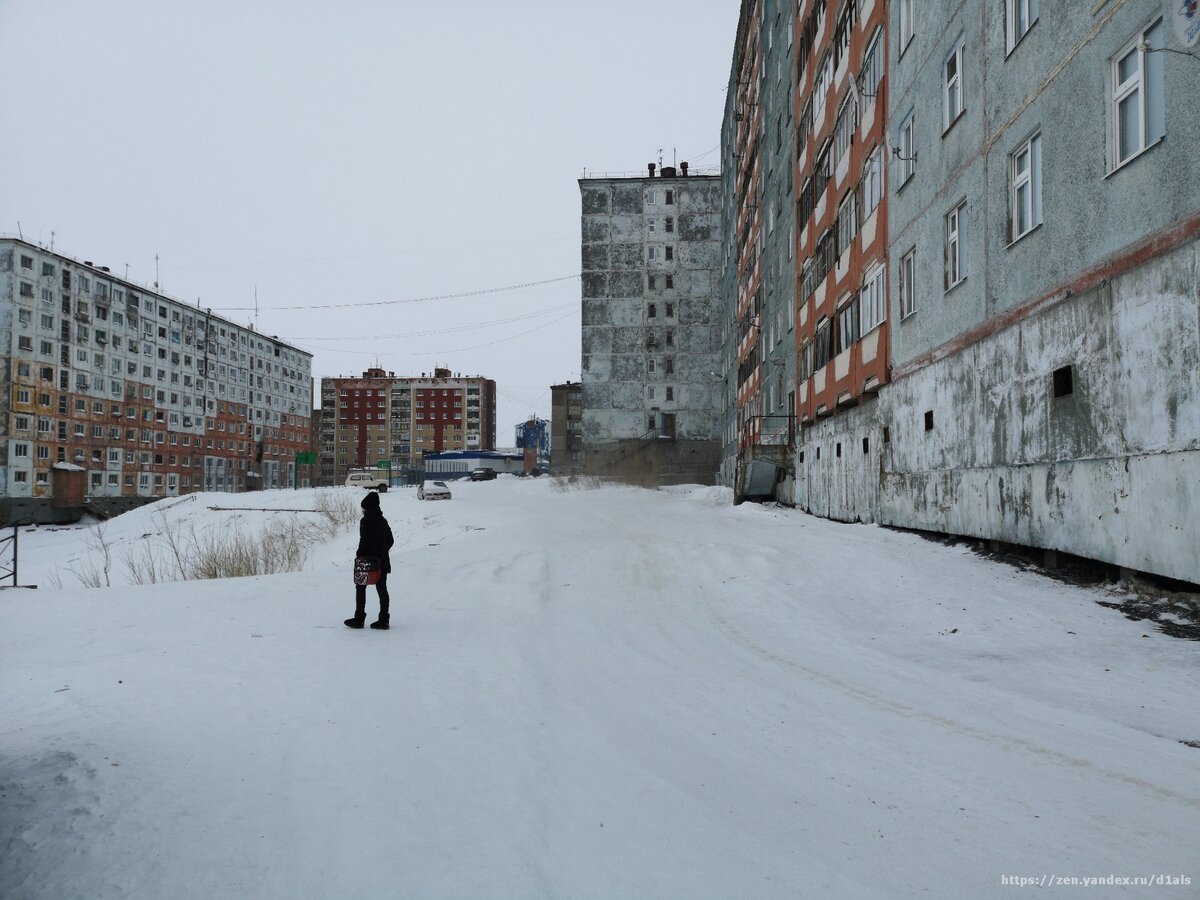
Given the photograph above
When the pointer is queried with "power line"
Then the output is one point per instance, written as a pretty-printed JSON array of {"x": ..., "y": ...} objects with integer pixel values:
[
  {"x": 459, "y": 296},
  {"x": 453, "y": 329}
]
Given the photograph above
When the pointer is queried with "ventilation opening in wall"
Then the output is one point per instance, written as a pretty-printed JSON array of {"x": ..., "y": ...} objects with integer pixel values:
[
  {"x": 818, "y": 453},
  {"x": 887, "y": 435},
  {"x": 1064, "y": 381},
  {"x": 839, "y": 450},
  {"x": 929, "y": 420},
  {"x": 801, "y": 457},
  {"x": 866, "y": 446}
]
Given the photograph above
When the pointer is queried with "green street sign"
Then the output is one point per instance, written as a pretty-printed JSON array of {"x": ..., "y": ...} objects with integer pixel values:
[
  {"x": 383, "y": 464},
  {"x": 306, "y": 458}
]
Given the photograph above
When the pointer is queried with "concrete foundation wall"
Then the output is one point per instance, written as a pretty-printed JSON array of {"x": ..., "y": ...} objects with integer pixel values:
[
  {"x": 652, "y": 462},
  {"x": 1110, "y": 471}
]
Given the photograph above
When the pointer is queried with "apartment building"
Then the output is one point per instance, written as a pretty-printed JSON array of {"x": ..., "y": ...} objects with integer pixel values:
[
  {"x": 380, "y": 418},
  {"x": 651, "y": 396},
  {"x": 151, "y": 396},
  {"x": 760, "y": 240},
  {"x": 1043, "y": 232},
  {"x": 566, "y": 428}
]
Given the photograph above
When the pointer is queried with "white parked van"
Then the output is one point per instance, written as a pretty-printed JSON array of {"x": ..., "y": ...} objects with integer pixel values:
[{"x": 372, "y": 480}]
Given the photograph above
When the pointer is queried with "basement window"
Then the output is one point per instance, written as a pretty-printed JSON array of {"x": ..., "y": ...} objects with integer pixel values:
[
  {"x": 1064, "y": 381},
  {"x": 929, "y": 420}
]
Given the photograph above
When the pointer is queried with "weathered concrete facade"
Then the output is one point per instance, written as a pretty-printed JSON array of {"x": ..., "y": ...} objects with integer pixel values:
[
  {"x": 1043, "y": 290},
  {"x": 566, "y": 428},
  {"x": 650, "y": 340},
  {"x": 759, "y": 283},
  {"x": 1110, "y": 471}
]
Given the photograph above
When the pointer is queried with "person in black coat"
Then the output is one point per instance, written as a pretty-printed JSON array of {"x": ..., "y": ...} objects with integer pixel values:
[{"x": 374, "y": 539}]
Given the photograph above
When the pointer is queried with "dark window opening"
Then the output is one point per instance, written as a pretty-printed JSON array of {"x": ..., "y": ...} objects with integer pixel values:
[
  {"x": 802, "y": 457},
  {"x": 818, "y": 453},
  {"x": 929, "y": 420},
  {"x": 887, "y": 435},
  {"x": 1064, "y": 381},
  {"x": 838, "y": 450},
  {"x": 866, "y": 445}
]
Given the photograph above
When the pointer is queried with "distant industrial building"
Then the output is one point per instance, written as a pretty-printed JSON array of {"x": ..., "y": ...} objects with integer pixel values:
[
  {"x": 651, "y": 257},
  {"x": 381, "y": 419},
  {"x": 151, "y": 397}
]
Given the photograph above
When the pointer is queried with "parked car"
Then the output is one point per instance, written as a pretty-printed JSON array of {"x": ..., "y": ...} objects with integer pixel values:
[
  {"x": 433, "y": 490},
  {"x": 372, "y": 481},
  {"x": 483, "y": 473}
]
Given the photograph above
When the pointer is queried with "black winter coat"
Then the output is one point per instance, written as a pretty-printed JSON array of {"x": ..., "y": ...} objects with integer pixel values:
[{"x": 375, "y": 537}]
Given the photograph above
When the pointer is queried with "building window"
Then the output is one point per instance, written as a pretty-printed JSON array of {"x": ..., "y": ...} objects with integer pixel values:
[
  {"x": 873, "y": 300},
  {"x": 651, "y": 311},
  {"x": 669, "y": 252},
  {"x": 847, "y": 325},
  {"x": 669, "y": 197},
  {"x": 1025, "y": 191},
  {"x": 955, "y": 268},
  {"x": 953, "y": 103},
  {"x": 670, "y": 281},
  {"x": 824, "y": 78},
  {"x": 843, "y": 129},
  {"x": 823, "y": 345},
  {"x": 652, "y": 253},
  {"x": 907, "y": 28},
  {"x": 872, "y": 186},
  {"x": 670, "y": 393},
  {"x": 908, "y": 283},
  {"x": 907, "y": 155},
  {"x": 24, "y": 342},
  {"x": 1019, "y": 17},
  {"x": 650, "y": 197},
  {"x": 872, "y": 66},
  {"x": 669, "y": 225},
  {"x": 847, "y": 224},
  {"x": 1136, "y": 109}
]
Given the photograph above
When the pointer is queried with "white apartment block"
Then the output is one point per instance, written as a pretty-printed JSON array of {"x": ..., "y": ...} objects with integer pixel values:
[{"x": 153, "y": 397}]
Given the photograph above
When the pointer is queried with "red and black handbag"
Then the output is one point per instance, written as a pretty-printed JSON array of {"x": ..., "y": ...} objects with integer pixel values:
[{"x": 367, "y": 570}]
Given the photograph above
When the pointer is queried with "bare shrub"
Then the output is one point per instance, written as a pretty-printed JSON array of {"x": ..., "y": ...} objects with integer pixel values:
[
  {"x": 92, "y": 574},
  {"x": 338, "y": 510}
]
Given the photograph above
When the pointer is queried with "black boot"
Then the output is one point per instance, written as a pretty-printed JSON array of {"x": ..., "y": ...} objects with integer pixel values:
[
  {"x": 382, "y": 624},
  {"x": 360, "y": 609}
]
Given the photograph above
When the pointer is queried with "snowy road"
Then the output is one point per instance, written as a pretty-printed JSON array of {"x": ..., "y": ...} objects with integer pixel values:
[{"x": 610, "y": 693}]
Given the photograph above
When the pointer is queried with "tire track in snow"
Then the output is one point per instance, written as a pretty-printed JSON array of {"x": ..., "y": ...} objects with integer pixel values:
[{"x": 908, "y": 711}]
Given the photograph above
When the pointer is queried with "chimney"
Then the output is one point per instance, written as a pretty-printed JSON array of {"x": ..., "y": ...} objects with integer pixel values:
[
  {"x": 683, "y": 169},
  {"x": 650, "y": 166},
  {"x": 668, "y": 171}
]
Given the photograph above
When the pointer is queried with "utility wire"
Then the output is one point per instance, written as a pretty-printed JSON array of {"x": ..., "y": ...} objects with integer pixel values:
[
  {"x": 459, "y": 296},
  {"x": 453, "y": 329}
]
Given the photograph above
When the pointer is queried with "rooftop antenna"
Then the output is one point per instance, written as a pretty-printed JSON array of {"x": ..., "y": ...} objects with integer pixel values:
[
  {"x": 660, "y": 157},
  {"x": 20, "y": 233},
  {"x": 52, "y": 240},
  {"x": 156, "y": 271},
  {"x": 256, "y": 305},
  {"x": 52, "y": 247}
]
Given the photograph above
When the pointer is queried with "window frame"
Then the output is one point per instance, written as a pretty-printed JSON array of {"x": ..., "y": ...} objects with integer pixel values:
[
  {"x": 907, "y": 157},
  {"x": 1031, "y": 178},
  {"x": 1139, "y": 85},
  {"x": 875, "y": 282},
  {"x": 953, "y": 258},
  {"x": 1011, "y": 8},
  {"x": 957, "y": 56},
  {"x": 908, "y": 283},
  {"x": 905, "y": 25}
]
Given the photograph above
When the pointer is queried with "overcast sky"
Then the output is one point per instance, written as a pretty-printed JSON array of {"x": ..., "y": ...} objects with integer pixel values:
[{"x": 350, "y": 152}]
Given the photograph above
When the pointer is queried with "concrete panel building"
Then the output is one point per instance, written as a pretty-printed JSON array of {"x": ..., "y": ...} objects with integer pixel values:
[
  {"x": 151, "y": 396},
  {"x": 650, "y": 338},
  {"x": 759, "y": 253},
  {"x": 1043, "y": 259},
  {"x": 380, "y": 417},
  {"x": 566, "y": 428}
]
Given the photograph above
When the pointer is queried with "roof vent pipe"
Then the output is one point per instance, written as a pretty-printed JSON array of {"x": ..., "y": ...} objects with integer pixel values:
[
  {"x": 683, "y": 169},
  {"x": 650, "y": 166}
]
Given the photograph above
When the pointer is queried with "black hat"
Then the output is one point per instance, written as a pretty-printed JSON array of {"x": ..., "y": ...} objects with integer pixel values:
[{"x": 371, "y": 501}]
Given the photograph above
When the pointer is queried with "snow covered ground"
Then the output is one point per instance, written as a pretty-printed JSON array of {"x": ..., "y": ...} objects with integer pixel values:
[{"x": 603, "y": 693}]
